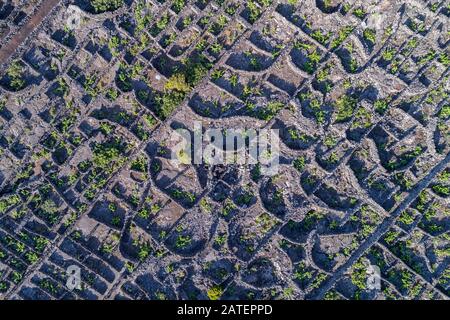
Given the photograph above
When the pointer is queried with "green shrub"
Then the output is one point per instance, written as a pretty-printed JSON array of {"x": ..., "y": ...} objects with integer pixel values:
[
  {"x": 299, "y": 163},
  {"x": 343, "y": 34},
  {"x": 15, "y": 73},
  {"x": 178, "y": 83},
  {"x": 370, "y": 35},
  {"x": 105, "y": 154},
  {"x": 345, "y": 107},
  {"x": 8, "y": 202},
  {"x": 270, "y": 110},
  {"x": 444, "y": 113},
  {"x": 101, "y": 6},
  {"x": 215, "y": 293}
]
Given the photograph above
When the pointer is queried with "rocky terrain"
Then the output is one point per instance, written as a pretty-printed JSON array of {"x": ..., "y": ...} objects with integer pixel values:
[{"x": 91, "y": 92}]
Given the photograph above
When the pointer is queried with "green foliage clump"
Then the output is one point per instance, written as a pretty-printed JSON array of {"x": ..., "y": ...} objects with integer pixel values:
[
  {"x": 444, "y": 113},
  {"x": 271, "y": 109},
  {"x": 179, "y": 85},
  {"x": 370, "y": 35},
  {"x": 320, "y": 37},
  {"x": 101, "y": 6},
  {"x": 345, "y": 106},
  {"x": 15, "y": 73},
  {"x": 406, "y": 218},
  {"x": 363, "y": 119},
  {"x": 311, "y": 219},
  {"x": 381, "y": 106},
  {"x": 441, "y": 190},
  {"x": 254, "y": 11},
  {"x": 302, "y": 273},
  {"x": 388, "y": 54},
  {"x": 183, "y": 241},
  {"x": 139, "y": 164},
  {"x": 196, "y": 70},
  {"x": 313, "y": 59},
  {"x": 105, "y": 154},
  {"x": 178, "y": 5},
  {"x": 142, "y": 18},
  {"x": 360, "y": 13},
  {"x": 168, "y": 102},
  {"x": 359, "y": 275},
  {"x": 8, "y": 202},
  {"x": 444, "y": 58},
  {"x": 215, "y": 293},
  {"x": 177, "y": 82},
  {"x": 299, "y": 163},
  {"x": 343, "y": 34}
]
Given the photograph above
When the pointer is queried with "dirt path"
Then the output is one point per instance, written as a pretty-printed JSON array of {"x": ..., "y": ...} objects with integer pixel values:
[{"x": 8, "y": 49}]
